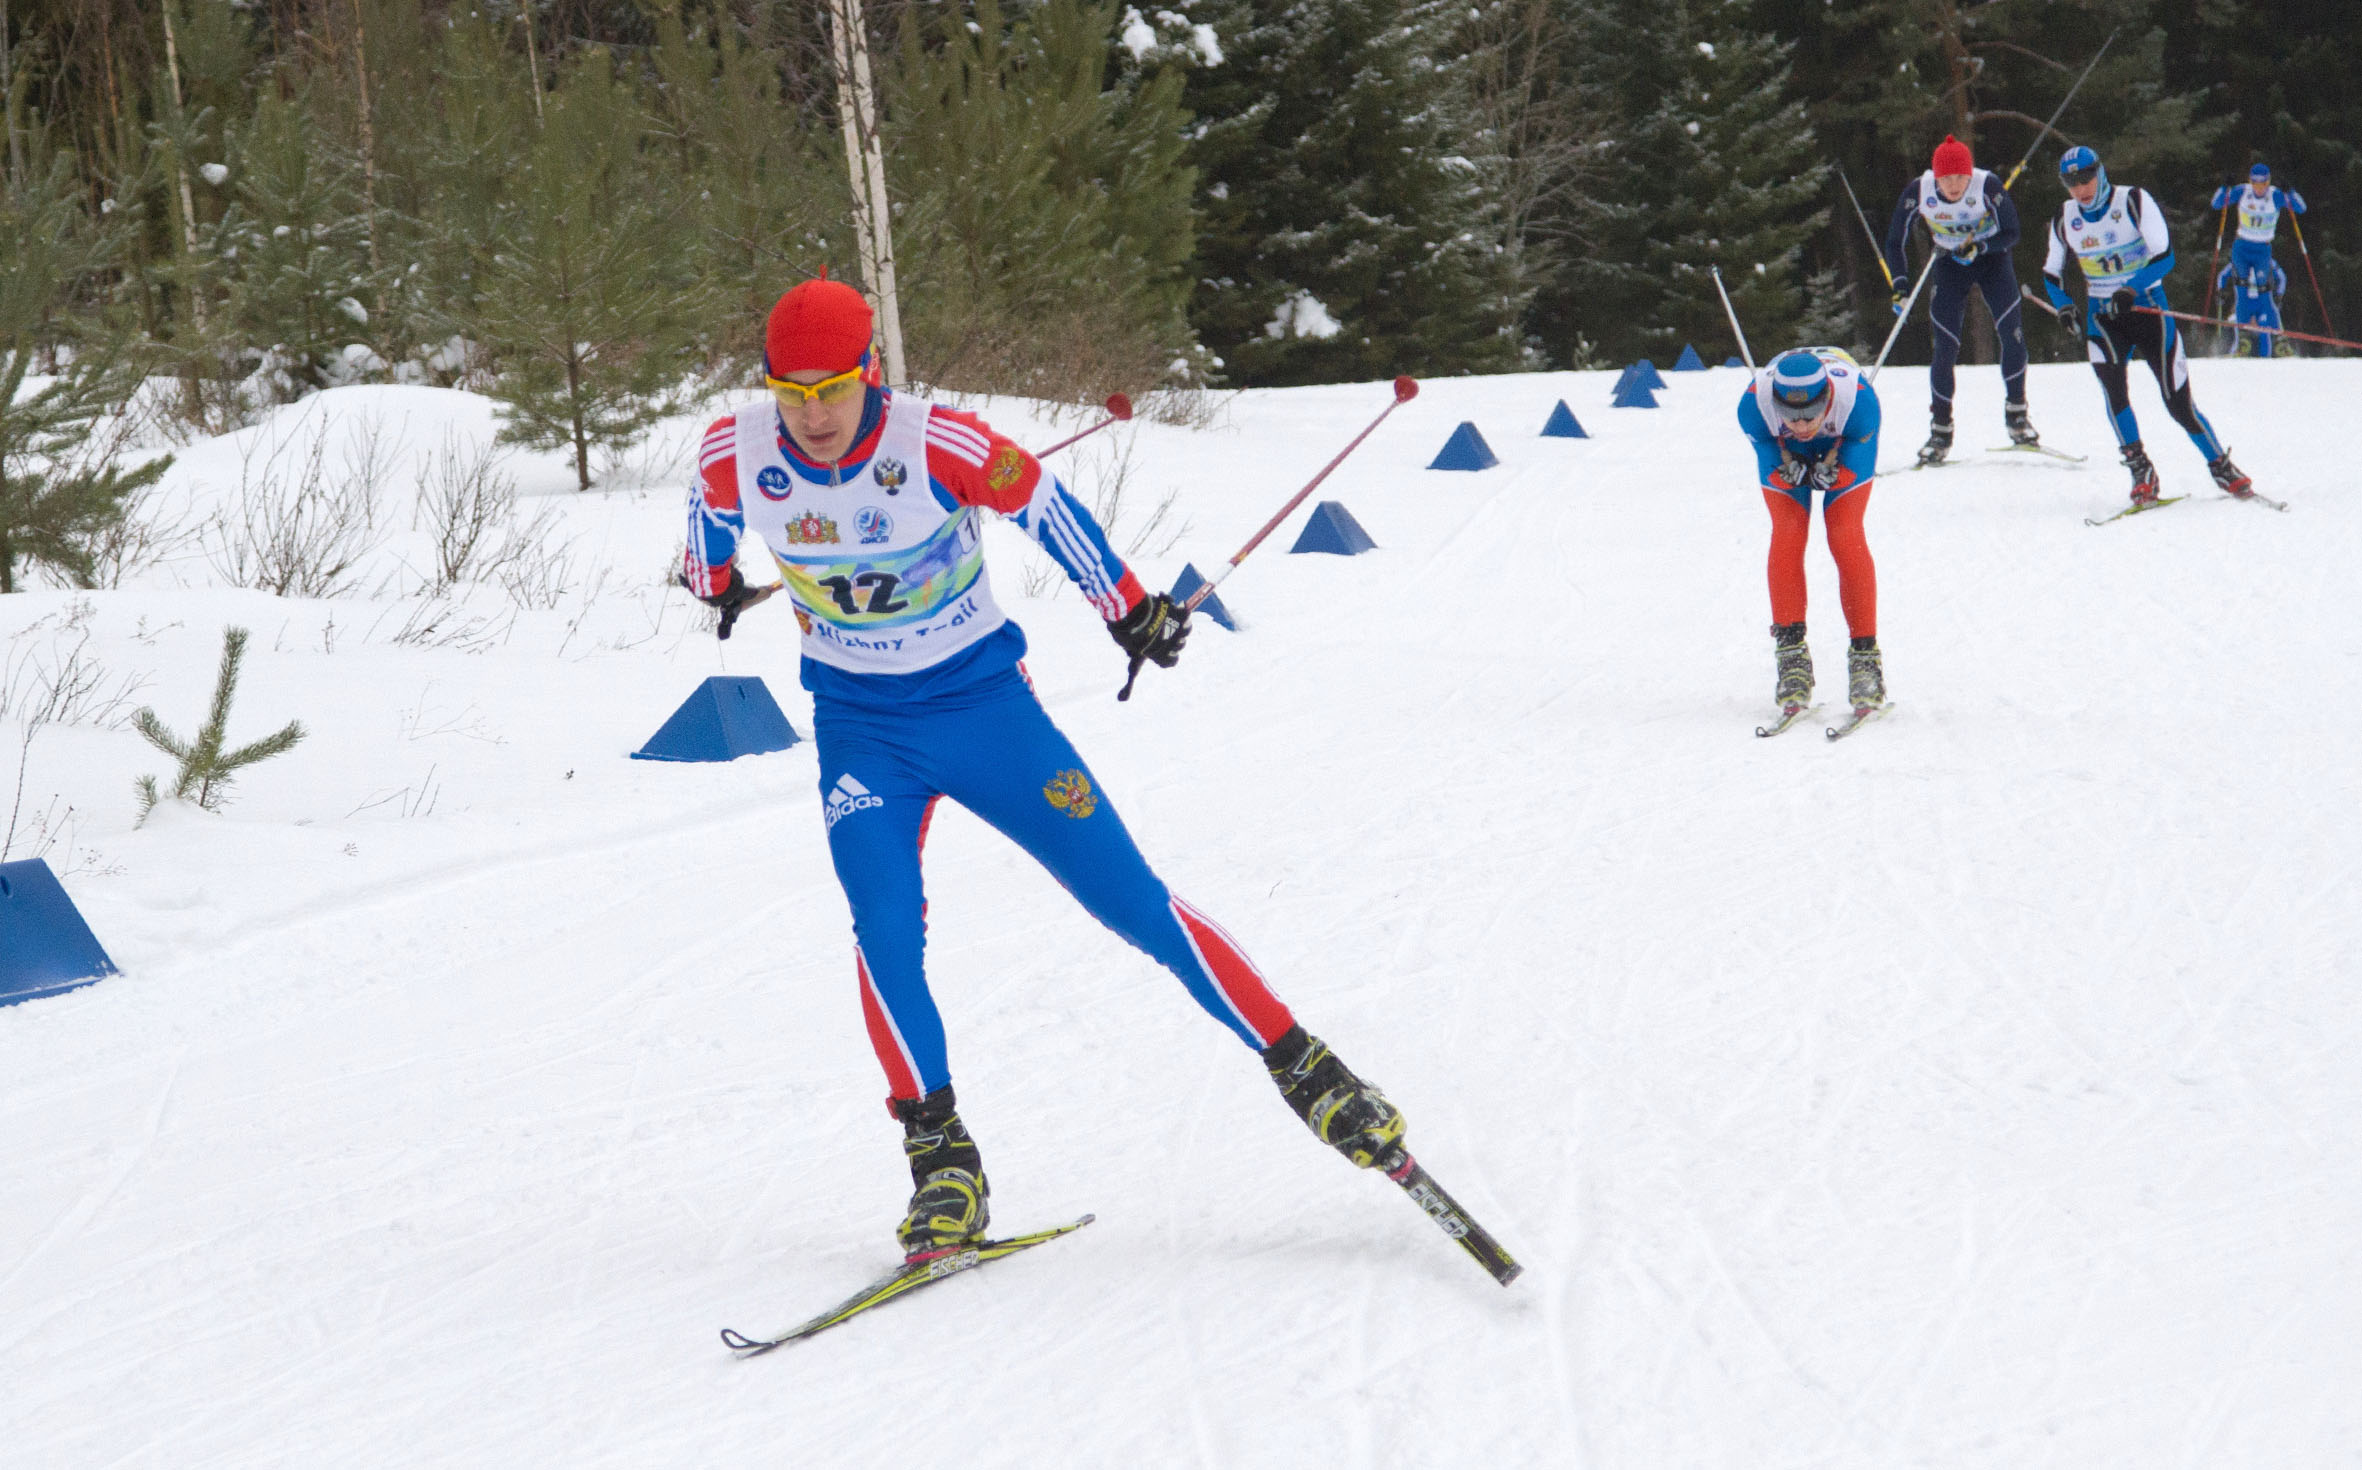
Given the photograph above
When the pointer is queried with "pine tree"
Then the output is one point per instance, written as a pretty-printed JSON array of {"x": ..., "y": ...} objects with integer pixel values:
[
  {"x": 54, "y": 496},
  {"x": 2279, "y": 73},
  {"x": 1713, "y": 163},
  {"x": 206, "y": 769},
  {"x": 292, "y": 249},
  {"x": 1043, "y": 222},
  {"x": 582, "y": 293},
  {"x": 1888, "y": 79},
  {"x": 1344, "y": 232},
  {"x": 767, "y": 201}
]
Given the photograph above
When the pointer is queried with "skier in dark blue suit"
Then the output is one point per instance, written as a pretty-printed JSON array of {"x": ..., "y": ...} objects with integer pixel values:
[{"x": 1975, "y": 227}]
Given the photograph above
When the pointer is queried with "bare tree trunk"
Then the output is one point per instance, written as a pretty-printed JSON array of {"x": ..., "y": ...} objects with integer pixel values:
[
  {"x": 574, "y": 409},
  {"x": 16, "y": 144},
  {"x": 532, "y": 56},
  {"x": 368, "y": 156},
  {"x": 188, "y": 200},
  {"x": 865, "y": 158}
]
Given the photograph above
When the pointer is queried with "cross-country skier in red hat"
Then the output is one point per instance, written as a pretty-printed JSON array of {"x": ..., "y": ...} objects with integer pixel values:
[
  {"x": 870, "y": 503},
  {"x": 1974, "y": 227}
]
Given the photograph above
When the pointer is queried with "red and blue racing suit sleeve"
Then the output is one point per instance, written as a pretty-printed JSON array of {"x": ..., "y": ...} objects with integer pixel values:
[{"x": 716, "y": 523}]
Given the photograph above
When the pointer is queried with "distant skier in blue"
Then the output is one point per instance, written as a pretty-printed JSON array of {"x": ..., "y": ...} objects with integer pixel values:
[
  {"x": 870, "y": 504},
  {"x": 1975, "y": 227},
  {"x": 2259, "y": 280},
  {"x": 2117, "y": 235}
]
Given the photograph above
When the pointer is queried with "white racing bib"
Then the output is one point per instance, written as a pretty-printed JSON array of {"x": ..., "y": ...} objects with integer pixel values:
[{"x": 884, "y": 579}]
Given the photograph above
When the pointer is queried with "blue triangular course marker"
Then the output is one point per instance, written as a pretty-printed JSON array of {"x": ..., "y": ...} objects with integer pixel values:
[
  {"x": 1646, "y": 375},
  {"x": 1689, "y": 361},
  {"x": 1465, "y": 450},
  {"x": 1212, "y": 607},
  {"x": 724, "y": 719},
  {"x": 1634, "y": 395},
  {"x": 1732, "y": 362},
  {"x": 45, "y": 948},
  {"x": 1333, "y": 529},
  {"x": 1562, "y": 424}
]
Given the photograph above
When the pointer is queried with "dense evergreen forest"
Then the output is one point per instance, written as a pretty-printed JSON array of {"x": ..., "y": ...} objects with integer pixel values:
[{"x": 581, "y": 205}]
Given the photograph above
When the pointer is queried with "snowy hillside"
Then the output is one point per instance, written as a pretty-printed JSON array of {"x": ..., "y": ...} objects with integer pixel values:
[{"x": 1980, "y": 1091}]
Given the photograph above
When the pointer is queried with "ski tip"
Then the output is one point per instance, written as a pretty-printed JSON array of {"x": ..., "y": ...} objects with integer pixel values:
[{"x": 739, "y": 1342}]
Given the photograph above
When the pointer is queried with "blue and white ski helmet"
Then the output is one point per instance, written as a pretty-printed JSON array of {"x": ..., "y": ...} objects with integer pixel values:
[
  {"x": 2260, "y": 172},
  {"x": 2079, "y": 165},
  {"x": 1800, "y": 385}
]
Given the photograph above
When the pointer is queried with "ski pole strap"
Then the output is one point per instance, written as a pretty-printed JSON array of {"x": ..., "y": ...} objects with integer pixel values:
[{"x": 1132, "y": 675}]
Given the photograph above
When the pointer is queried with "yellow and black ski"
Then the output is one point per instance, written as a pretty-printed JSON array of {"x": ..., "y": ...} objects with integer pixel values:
[{"x": 901, "y": 1282}]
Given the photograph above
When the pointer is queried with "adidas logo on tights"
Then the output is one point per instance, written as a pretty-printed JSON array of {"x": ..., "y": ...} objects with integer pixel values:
[{"x": 847, "y": 797}]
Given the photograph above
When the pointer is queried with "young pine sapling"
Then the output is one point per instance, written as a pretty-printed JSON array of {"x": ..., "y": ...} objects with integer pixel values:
[{"x": 206, "y": 769}]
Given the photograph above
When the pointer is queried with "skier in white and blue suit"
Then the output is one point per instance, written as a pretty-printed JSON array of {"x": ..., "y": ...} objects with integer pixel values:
[
  {"x": 1975, "y": 227},
  {"x": 2118, "y": 236},
  {"x": 2260, "y": 281}
]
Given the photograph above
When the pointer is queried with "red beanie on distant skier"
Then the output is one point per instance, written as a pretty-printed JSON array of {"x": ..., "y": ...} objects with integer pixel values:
[
  {"x": 1953, "y": 157},
  {"x": 818, "y": 326}
]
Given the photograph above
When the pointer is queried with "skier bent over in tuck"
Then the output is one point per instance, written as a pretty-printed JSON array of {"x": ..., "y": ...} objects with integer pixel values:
[
  {"x": 1814, "y": 424},
  {"x": 870, "y": 502}
]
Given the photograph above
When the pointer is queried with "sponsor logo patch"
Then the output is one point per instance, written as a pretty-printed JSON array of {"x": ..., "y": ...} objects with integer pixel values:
[
  {"x": 872, "y": 525},
  {"x": 772, "y": 481},
  {"x": 1071, "y": 793},
  {"x": 847, "y": 797},
  {"x": 890, "y": 473},
  {"x": 812, "y": 530},
  {"x": 1007, "y": 468}
]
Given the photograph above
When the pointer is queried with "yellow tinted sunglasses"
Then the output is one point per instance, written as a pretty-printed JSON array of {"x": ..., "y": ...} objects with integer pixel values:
[{"x": 828, "y": 390}]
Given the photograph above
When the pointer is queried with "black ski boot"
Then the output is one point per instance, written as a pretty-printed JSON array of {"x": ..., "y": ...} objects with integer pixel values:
[
  {"x": 1342, "y": 1111},
  {"x": 1793, "y": 665},
  {"x": 948, "y": 1206},
  {"x": 1865, "y": 675},
  {"x": 2227, "y": 475},
  {"x": 1939, "y": 443},
  {"x": 2144, "y": 475},
  {"x": 2021, "y": 428}
]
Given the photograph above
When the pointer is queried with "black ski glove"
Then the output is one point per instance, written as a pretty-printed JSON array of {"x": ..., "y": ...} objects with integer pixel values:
[
  {"x": 1790, "y": 471},
  {"x": 2120, "y": 305},
  {"x": 1152, "y": 632},
  {"x": 2071, "y": 320},
  {"x": 1899, "y": 292},
  {"x": 734, "y": 598}
]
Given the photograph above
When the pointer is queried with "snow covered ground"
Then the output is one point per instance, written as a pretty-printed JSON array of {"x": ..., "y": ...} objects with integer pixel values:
[{"x": 1981, "y": 1091}]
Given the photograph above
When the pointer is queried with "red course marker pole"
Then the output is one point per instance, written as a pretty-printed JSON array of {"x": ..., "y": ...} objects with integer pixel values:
[
  {"x": 1406, "y": 388},
  {"x": 1119, "y": 410}
]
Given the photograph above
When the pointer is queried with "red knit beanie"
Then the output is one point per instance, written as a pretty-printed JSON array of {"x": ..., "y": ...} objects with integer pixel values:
[
  {"x": 818, "y": 326},
  {"x": 1952, "y": 157}
]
